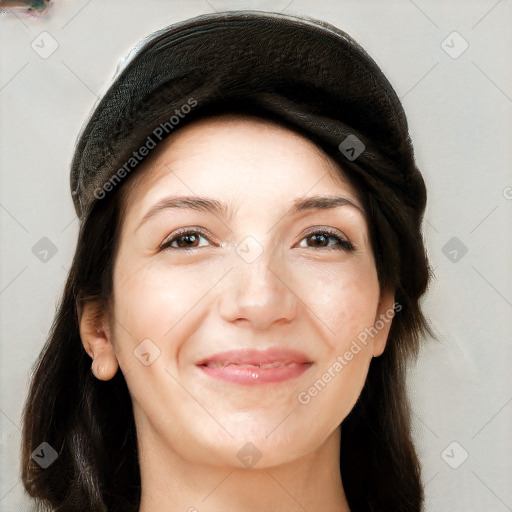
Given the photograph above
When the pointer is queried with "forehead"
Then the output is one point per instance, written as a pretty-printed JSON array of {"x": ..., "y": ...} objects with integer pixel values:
[{"x": 237, "y": 155}]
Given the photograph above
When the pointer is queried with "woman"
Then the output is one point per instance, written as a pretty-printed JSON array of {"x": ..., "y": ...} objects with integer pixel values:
[{"x": 245, "y": 287}]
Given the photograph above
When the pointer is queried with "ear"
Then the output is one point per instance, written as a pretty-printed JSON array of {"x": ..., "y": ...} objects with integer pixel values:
[
  {"x": 95, "y": 334},
  {"x": 383, "y": 319}
]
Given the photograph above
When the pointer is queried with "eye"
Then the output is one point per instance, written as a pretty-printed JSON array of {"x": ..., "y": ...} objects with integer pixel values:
[
  {"x": 184, "y": 239},
  {"x": 189, "y": 239},
  {"x": 323, "y": 236}
]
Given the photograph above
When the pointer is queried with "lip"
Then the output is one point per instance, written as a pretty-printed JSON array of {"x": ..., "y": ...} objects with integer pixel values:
[{"x": 256, "y": 366}]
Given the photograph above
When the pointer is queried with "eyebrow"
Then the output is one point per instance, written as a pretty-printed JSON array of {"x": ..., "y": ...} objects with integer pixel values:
[{"x": 207, "y": 204}]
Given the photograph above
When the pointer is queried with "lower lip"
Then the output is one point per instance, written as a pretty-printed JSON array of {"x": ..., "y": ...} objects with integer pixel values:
[{"x": 246, "y": 374}]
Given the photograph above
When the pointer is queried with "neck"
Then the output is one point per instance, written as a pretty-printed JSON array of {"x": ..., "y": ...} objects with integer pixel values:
[{"x": 170, "y": 483}]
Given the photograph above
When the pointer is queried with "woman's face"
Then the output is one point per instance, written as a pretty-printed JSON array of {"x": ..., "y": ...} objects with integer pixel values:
[{"x": 253, "y": 280}]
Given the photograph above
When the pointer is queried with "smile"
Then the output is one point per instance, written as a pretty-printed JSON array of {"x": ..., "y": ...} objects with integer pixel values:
[{"x": 256, "y": 367}]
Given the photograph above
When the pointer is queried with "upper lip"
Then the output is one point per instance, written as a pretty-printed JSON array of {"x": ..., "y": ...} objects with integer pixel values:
[{"x": 256, "y": 357}]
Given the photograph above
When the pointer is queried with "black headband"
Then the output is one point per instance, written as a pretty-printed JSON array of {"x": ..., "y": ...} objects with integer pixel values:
[{"x": 304, "y": 72}]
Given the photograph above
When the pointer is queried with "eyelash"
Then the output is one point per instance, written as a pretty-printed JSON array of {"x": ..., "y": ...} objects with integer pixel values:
[{"x": 343, "y": 244}]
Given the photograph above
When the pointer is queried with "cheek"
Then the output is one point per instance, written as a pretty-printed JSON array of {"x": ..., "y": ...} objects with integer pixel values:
[
  {"x": 154, "y": 314},
  {"x": 345, "y": 300},
  {"x": 159, "y": 302}
]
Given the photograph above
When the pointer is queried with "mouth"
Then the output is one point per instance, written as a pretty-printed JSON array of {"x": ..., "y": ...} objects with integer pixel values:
[
  {"x": 223, "y": 364},
  {"x": 255, "y": 366}
]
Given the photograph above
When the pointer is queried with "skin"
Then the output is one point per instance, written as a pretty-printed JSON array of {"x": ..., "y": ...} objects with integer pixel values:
[{"x": 300, "y": 292}]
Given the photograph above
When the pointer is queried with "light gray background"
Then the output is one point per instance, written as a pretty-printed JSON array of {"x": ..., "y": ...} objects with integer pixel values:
[{"x": 459, "y": 109}]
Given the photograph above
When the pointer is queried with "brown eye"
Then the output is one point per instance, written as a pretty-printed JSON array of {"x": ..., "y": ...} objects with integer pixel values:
[
  {"x": 188, "y": 239},
  {"x": 321, "y": 239}
]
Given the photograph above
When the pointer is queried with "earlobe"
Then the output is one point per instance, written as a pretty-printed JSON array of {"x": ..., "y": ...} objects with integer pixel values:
[
  {"x": 96, "y": 339},
  {"x": 105, "y": 366},
  {"x": 383, "y": 319}
]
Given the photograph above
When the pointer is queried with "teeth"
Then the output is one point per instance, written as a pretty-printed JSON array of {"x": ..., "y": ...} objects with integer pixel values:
[
  {"x": 271, "y": 365},
  {"x": 275, "y": 364}
]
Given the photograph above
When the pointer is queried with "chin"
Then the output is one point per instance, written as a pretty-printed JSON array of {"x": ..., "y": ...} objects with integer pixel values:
[{"x": 257, "y": 443}]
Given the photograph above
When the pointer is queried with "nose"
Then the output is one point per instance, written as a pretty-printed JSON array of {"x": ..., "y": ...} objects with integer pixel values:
[{"x": 259, "y": 293}]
